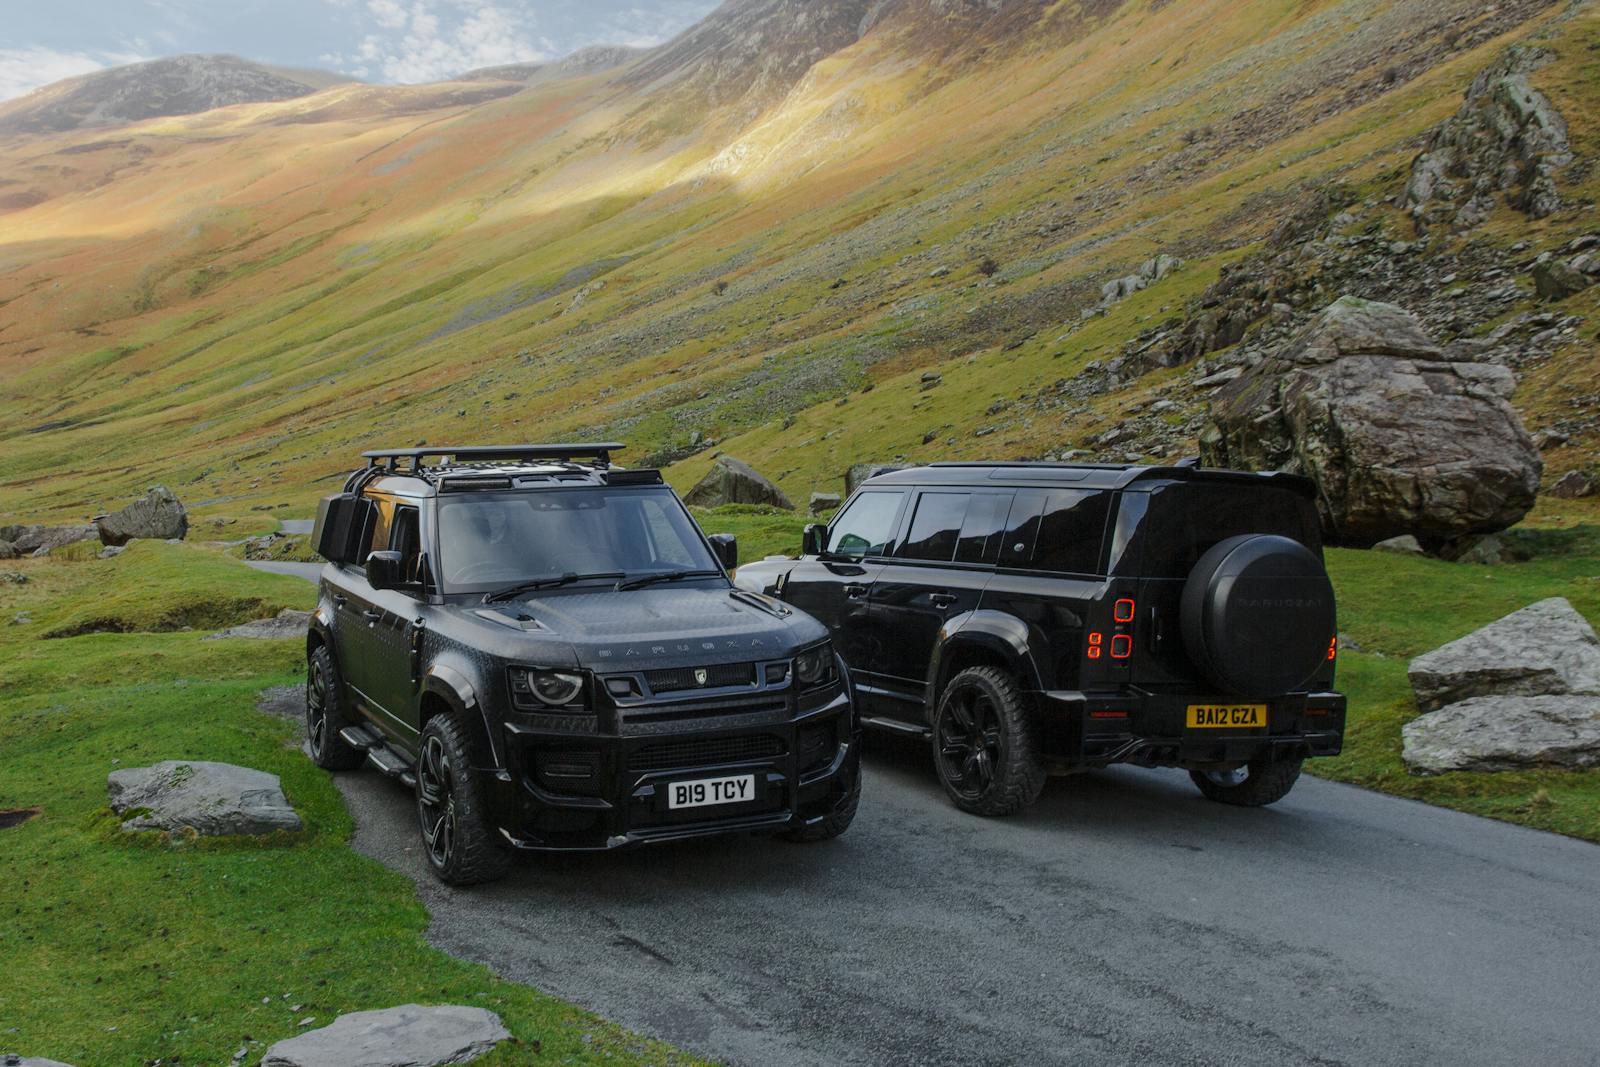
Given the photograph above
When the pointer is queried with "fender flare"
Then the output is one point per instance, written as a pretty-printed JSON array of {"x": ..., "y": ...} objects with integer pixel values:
[
  {"x": 992, "y": 631},
  {"x": 320, "y": 630},
  {"x": 456, "y": 690}
]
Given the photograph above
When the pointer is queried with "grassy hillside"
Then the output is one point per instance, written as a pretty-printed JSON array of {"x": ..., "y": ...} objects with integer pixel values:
[{"x": 235, "y": 303}]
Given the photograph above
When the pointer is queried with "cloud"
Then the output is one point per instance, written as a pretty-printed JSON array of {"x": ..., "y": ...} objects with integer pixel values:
[
  {"x": 435, "y": 40},
  {"x": 23, "y": 70}
]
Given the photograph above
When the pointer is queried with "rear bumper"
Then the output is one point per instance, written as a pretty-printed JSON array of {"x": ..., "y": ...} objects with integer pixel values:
[
  {"x": 1149, "y": 729},
  {"x": 602, "y": 792}
]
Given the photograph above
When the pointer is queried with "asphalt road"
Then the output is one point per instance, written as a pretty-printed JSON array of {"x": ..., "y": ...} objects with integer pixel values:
[{"x": 1123, "y": 920}]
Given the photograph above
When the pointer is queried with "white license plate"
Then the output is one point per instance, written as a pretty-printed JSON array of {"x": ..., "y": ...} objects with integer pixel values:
[{"x": 706, "y": 791}]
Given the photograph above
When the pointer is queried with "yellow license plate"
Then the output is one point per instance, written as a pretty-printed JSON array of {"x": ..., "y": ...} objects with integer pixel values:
[{"x": 1239, "y": 715}]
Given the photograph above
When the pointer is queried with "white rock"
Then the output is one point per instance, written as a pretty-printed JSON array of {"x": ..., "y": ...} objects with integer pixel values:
[
  {"x": 1405, "y": 544},
  {"x": 207, "y": 798},
  {"x": 407, "y": 1036},
  {"x": 1545, "y": 649},
  {"x": 1498, "y": 733}
]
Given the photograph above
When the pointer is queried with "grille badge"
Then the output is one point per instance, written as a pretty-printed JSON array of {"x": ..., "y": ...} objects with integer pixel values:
[{"x": 700, "y": 676}]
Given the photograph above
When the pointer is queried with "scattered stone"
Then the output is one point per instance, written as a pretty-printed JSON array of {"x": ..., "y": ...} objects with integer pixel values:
[
  {"x": 733, "y": 481},
  {"x": 860, "y": 472},
  {"x": 1505, "y": 733},
  {"x": 1555, "y": 280},
  {"x": 287, "y": 623},
  {"x": 1324, "y": 404},
  {"x": 13, "y": 1060},
  {"x": 1544, "y": 649},
  {"x": 8, "y": 550},
  {"x": 13, "y": 578},
  {"x": 938, "y": 272},
  {"x": 1488, "y": 551},
  {"x": 823, "y": 502},
  {"x": 39, "y": 540},
  {"x": 22, "y": 618},
  {"x": 112, "y": 551},
  {"x": 158, "y": 515},
  {"x": 201, "y": 797},
  {"x": 1572, "y": 485},
  {"x": 1545, "y": 440},
  {"x": 407, "y": 1036},
  {"x": 1405, "y": 544}
]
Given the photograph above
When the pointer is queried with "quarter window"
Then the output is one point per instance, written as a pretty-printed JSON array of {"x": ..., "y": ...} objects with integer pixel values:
[
  {"x": 866, "y": 527},
  {"x": 936, "y": 527}
]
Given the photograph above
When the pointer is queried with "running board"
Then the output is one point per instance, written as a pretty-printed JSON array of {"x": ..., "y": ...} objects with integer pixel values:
[
  {"x": 379, "y": 754},
  {"x": 359, "y": 737},
  {"x": 896, "y": 726}
]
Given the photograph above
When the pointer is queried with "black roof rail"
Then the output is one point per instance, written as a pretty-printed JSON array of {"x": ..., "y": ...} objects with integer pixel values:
[{"x": 599, "y": 452}]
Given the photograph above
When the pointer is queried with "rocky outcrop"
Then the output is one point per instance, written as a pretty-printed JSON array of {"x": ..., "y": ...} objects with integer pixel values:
[
  {"x": 820, "y": 503},
  {"x": 1569, "y": 486},
  {"x": 1398, "y": 437},
  {"x": 407, "y": 1036},
  {"x": 8, "y": 550},
  {"x": 1557, "y": 279},
  {"x": 38, "y": 540},
  {"x": 860, "y": 472},
  {"x": 209, "y": 799},
  {"x": 158, "y": 516},
  {"x": 733, "y": 481},
  {"x": 287, "y": 623},
  {"x": 1506, "y": 139},
  {"x": 1546, "y": 648},
  {"x": 1149, "y": 272},
  {"x": 1505, "y": 734}
]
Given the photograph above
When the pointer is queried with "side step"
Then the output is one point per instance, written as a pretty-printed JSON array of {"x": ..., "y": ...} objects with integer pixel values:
[
  {"x": 897, "y": 726},
  {"x": 379, "y": 754}
]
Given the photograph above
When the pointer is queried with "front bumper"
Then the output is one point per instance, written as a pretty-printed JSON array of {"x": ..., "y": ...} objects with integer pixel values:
[
  {"x": 1149, "y": 729},
  {"x": 606, "y": 790}
]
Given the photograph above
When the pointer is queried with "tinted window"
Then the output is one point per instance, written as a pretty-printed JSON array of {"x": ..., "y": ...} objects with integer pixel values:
[
  {"x": 405, "y": 538},
  {"x": 1071, "y": 527},
  {"x": 980, "y": 534},
  {"x": 1021, "y": 526},
  {"x": 936, "y": 526},
  {"x": 866, "y": 527},
  {"x": 376, "y": 536},
  {"x": 1183, "y": 521}
]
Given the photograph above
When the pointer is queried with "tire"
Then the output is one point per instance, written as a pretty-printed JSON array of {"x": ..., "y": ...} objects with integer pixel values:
[
  {"x": 326, "y": 715},
  {"x": 984, "y": 750},
  {"x": 834, "y": 824},
  {"x": 461, "y": 847},
  {"x": 1264, "y": 781}
]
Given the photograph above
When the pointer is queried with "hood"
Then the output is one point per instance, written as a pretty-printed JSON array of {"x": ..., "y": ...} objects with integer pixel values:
[{"x": 664, "y": 626}]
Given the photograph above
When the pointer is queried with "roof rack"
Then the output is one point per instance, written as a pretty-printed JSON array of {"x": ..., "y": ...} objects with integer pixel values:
[{"x": 599, "y": 451}]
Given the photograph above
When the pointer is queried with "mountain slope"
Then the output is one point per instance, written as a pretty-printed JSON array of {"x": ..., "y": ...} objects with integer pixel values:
[{"x": 696, "y": 255}]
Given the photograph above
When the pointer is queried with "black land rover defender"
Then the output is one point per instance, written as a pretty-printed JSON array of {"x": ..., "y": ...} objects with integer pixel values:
[
  {"x": 548, "y": 649},
  {"x": 1029, "y": 618}
]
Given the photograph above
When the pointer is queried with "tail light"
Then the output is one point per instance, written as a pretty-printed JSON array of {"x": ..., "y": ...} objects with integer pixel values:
[
  {"x": 1121, "y": 646},
  {"x": 1122, "y": 610},
  {"x": 1333, "y": 647},
  {"x": 1096, "y": 644}
]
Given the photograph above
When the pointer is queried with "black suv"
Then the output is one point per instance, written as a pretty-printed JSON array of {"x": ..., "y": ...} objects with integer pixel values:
[
  {"x": 549, "y": 650},
  {"x": 1030, "y": 618}
]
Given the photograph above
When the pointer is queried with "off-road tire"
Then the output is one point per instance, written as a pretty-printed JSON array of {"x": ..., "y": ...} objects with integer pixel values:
[
  {"x": 1016, "y": 772},
  {"x": 325, "y": 699},
  {"x": 834, "y": 824},
  {"x": 475, "y": 851},
  {"x": 1267, "y": 781}
]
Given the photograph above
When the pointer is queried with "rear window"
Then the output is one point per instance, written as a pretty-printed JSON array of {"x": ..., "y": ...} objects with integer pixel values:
[
  {"x": 1163, "y": 533},
  {"x": 1058, "y": 530}
]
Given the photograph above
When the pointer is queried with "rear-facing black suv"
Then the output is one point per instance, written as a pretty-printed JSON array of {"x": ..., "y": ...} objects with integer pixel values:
[
  {"x": 1030, "y": 618},
  {"x": 548, "y": 649}
]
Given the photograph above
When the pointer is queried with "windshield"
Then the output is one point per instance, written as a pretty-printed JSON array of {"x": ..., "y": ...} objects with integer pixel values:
[{"x": 488, "y": 541}]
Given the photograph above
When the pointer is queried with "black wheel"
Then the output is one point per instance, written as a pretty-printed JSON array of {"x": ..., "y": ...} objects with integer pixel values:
[
  {"x": 325, "y": 715},
  {"x": 836, "y": 823},
  {"x": 1256, "y": 784},
  {"x": 461, "y": 846},
  {"x": 983, "y": 745}
]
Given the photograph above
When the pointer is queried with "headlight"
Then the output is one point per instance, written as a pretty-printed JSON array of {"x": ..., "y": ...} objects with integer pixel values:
[
  {"x": 551, "y": 689},
  {"x": 815, "y": 666}
]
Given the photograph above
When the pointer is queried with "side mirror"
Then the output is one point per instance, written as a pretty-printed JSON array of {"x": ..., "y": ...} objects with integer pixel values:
[
  {"x": 814, "y": 541},
  {"x": 726, "y": 546},
  {"x": 383, "y": 570},
  {"x": 341, "y": 528}
]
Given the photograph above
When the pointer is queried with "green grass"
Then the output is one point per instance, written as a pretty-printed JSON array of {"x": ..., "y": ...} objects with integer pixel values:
[
  {"x": 136, "y": 950},
  {"x": 1396, "y": 607}
]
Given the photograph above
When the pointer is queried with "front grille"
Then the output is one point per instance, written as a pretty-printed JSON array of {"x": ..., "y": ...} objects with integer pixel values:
[
  {"x": 568, "y": 771},
  {"x": 701, "y": 751},
  {"x": 676, "y": 679}
]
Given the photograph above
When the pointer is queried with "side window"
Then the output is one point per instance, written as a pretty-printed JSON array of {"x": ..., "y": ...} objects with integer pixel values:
[
  {"x": 377, "y": 536},
  {"x": 866, "y": 527},
  {"x": 936, "y": 527},
  {"x": 1071, "y": 529},
  {"x": 1022, "y": 526},
  {"x": 405, "y": 537},
  {"x": 981, "y": 533}
]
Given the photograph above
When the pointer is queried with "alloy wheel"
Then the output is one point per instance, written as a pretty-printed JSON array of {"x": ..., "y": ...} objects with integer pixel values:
[
  {"x": 970, "y": 741},
  {"x": 317, "y": 710},
  {"x": 436, "y": 801}
]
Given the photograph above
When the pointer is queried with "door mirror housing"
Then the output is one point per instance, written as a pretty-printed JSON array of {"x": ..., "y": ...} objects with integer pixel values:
[
  {"x": 383, "y": 570},
  {"x": 814, "y": 541},
  {"x": 726, "y": 546}
]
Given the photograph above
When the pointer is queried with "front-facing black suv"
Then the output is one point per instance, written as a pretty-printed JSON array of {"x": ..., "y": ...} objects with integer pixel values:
[
  {"x": 547, "y": 648},
  {"x": 1030, "y": 618}
]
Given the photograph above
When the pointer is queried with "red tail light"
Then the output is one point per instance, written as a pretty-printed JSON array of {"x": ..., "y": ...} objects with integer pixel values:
[
  {"x": 1121, "y": 646},
  {"x": 1122, "y": 610},
  {"x": 1333, "y": 646},
  {"x": 1095, "y": 640}
]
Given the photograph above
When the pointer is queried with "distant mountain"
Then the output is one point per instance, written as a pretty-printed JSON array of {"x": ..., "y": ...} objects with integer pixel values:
[
  {"x": 181, "y": 85},
  {"x": 591, "y": 60}
]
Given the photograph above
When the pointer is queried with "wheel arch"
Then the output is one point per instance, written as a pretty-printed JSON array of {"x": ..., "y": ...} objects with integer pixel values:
[
  {"x": 980, "y": 639},
  {"x": 446, "y": 691}
]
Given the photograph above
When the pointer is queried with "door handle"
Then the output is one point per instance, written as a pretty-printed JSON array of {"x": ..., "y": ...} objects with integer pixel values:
[
  {"x": 340, "y": 601},
  {"x": 855, "y": 590},
  {"x": 372, "y": 616},
  {"x": 942, "y": 600}
]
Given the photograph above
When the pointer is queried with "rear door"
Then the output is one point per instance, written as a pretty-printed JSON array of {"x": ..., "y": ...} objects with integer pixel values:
[
  {"x": 834, "y": 587},
  {"x": 938, "y": 572}
]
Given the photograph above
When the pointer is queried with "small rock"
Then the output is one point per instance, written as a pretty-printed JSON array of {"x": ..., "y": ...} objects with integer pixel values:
[
  {"x": 407, "y": 1036},
  {"x": 11, "y": 1059},
  {"x": 1545, "y": 440},
  {"x": 287, "y": 623},
  {"x": 1555, "y": 280},
  {"x": 1405, "y": 544},
  {"x": 1488, "y": 550},
  {"x": 938, "y": 272},
  {"x": 13, "y": 578},
  {"x": 1572, "y": 485},
  {"x": 206, "y": 798},
  {"x": 22, "y": 618},
  {"x": 1544, "y": 649},
  {"x": 823, "y": 502},
  {"x": 112, "y": 551}
]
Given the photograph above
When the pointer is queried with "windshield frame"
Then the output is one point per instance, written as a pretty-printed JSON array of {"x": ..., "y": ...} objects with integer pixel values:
[{"x": 664, "y": 493}]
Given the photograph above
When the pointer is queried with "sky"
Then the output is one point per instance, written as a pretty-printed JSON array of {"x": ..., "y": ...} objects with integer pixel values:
[{"x": 403, "y": 41}]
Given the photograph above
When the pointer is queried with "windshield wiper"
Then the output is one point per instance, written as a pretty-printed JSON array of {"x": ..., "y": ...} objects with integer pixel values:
[
  {"x": 664, "y": 576},
  {"x": 545, "y": 583}
]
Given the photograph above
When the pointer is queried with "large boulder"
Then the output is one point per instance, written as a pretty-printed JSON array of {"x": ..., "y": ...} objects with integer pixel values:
[
  {"x": 1506, "y": 138},
  {"x": 1545, "y": 649},
  {"x": 733, "y": 481},
  {"x": 1499, "y": 733},
  {"x": 157, "y": 515},
  {"x": 1399, "y": 439},
  {"x": 407, "y": 1036},
  {"x": 30, "y": 540},
  {"x": 209, "y": 799},
  {"x": 860, "y": 472}
]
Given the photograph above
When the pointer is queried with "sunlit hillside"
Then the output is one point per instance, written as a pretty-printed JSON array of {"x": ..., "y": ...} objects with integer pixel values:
[{"x": 717, "y": 245}]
